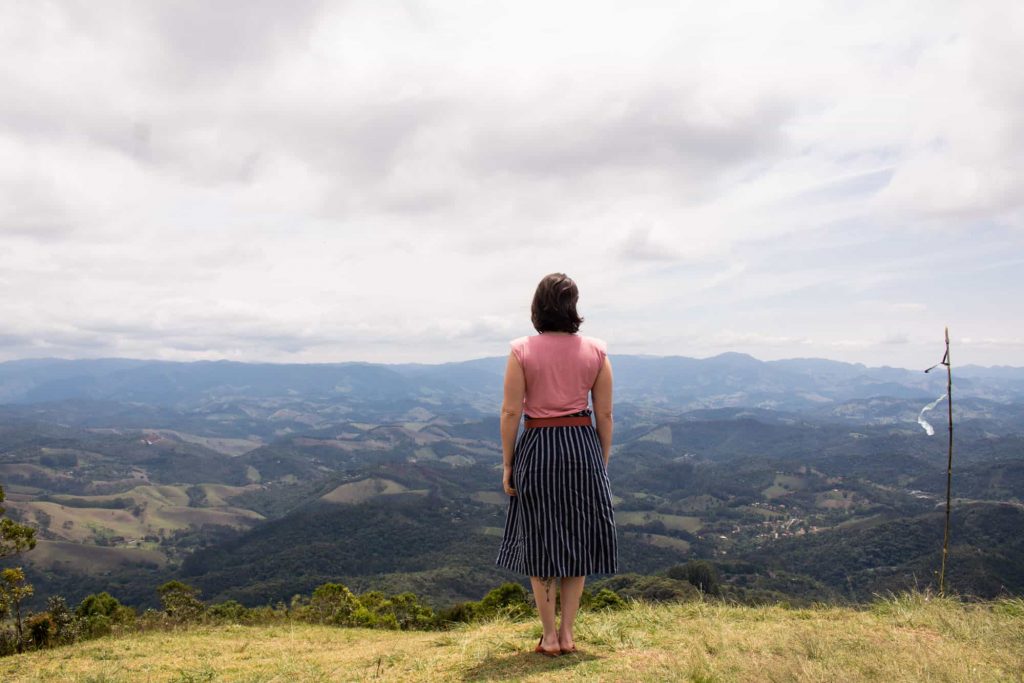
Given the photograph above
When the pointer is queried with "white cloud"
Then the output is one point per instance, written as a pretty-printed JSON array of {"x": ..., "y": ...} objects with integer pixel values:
[{"x": 331, "y": 181}]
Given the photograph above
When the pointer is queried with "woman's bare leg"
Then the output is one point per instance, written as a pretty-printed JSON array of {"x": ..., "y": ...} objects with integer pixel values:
[
  {"x": 544, "y": 592},
  {"x": 572, "y": 591}
]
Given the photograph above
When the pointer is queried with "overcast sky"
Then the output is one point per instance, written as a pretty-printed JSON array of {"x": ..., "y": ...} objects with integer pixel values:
[{"x": 387, "y": 181}]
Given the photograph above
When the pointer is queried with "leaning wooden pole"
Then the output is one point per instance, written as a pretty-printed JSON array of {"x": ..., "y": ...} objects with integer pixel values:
[{"x": 949, "y": 466}]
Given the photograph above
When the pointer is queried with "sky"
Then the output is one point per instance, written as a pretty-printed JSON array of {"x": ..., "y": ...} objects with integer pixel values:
[{"x": 388, "y": 181}]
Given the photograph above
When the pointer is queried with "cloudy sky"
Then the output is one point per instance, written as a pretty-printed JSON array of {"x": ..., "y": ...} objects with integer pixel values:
[{"x": 387, "y": 181}]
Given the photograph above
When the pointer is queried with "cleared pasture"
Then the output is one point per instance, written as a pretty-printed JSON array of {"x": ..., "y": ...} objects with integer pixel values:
[
  {"x": 365, "y": 489},
  {"x": 89, "y": 558},
  {"x": 673, "y": 522}
]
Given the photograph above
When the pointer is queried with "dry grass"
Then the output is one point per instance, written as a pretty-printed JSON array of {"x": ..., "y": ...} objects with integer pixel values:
[{"x": 907, "y": 638}]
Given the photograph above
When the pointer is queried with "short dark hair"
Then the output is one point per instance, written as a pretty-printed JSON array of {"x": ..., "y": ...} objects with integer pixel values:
[{"x": 554, "y": 305}]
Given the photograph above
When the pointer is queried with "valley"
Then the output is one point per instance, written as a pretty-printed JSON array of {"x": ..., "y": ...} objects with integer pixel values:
[{"x": 268, "y": 485}]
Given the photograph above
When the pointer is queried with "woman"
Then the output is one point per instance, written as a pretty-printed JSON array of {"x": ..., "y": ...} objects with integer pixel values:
[{"x": 560, "y": 522}]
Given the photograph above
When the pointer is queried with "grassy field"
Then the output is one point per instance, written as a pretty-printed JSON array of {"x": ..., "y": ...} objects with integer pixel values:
[{"x": 911, "y": 638}]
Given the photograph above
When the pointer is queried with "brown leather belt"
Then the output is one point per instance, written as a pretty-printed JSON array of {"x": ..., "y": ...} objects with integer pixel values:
[{"x": 568, "y": 421}]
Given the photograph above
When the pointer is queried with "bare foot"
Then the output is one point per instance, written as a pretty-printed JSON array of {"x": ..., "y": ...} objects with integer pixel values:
[
  {"x": 566, "y": 642},
  {"x": 551, "y": 644}
]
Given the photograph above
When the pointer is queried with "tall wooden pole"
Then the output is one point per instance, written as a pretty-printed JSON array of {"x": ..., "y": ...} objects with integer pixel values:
[{"x": 949, "y": 466}]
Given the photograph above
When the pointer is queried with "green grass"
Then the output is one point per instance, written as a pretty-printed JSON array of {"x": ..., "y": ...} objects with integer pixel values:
[{"x": 904, "y": 638}]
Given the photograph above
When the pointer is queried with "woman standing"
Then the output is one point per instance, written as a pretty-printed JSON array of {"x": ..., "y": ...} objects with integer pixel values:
[{"x": 560, "y": 522}]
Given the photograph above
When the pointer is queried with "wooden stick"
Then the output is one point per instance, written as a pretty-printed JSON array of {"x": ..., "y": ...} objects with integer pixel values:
[{"x": 949, "y": 466}]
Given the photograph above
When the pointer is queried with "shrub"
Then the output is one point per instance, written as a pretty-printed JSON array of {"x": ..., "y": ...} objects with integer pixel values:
[
  {"x": 97, "y": 614},
  {"x": 410, "y": 612},
  {"x": 297, "y": 604},
  {"x": 96, "y": 626},
  {"x": 8, "y": 642},
  {"x": 151, "y": 619},
  {"x": 66, "y": 627},
  {"x": 374, "y": 611},
  {"x": 97, "y": 604},
  {"x": 463, "y": 612},
  {"x": 229, "y": 611},
  {"x": 367, "y": 618},
  {"x": 331, "y": 603},
  {"x": 41, "y": 630},
  {"x": 265, "y": 614},
  {"x": 181, "y": 602},
  {"x": 651, "y": 588},
  {"x": 509, "y": 599},
  {"x": 402, "y": 611},
  {"x": 606, "y": 599}
]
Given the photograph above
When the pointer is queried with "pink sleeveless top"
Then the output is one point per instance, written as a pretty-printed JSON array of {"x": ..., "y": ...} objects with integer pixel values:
[{"x": 560, "y": 369}]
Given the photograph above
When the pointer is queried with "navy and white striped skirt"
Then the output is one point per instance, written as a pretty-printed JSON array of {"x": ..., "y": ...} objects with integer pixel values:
[{"x": 560, "y": 522}]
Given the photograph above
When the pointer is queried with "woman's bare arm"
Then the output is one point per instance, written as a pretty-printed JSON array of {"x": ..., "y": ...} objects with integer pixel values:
[
  {"x": 601, "y": 394},
  {"x": 511, "y": 411}
]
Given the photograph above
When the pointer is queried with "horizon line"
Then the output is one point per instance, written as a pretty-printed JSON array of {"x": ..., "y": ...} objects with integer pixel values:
[{"x": 484, "y": 358}]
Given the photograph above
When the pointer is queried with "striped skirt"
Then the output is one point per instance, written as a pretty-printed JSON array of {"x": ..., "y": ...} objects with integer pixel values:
[{"x": 560, "y": 522}]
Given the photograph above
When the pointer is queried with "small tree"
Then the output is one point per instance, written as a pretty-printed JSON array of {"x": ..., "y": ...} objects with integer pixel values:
[
  {"x": 14, "y": 538},
  {"x": 66, "y": 628},
  {"x": 332, "y": 603},
  {"x": 180, "y": 601},
  {"x": 13, "y": 591},
  {"x": 97, "y": 604},
  {"x": 100, "y": 611}
]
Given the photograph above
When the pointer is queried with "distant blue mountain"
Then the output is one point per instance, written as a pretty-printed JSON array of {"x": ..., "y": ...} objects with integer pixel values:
[{"x": 670, "y": 383}]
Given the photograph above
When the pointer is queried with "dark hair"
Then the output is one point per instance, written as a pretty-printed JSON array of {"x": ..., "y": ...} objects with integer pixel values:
[{"x": 554, "y": 305}]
